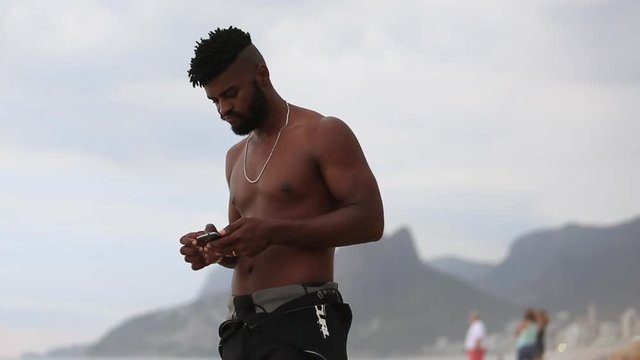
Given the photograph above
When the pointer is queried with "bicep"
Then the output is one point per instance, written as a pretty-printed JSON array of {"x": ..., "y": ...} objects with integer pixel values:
[{"x": 343, "y": 165}]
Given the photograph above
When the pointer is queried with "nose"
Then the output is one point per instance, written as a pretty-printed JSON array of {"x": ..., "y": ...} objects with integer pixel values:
[{"x": 224, "y": 107}]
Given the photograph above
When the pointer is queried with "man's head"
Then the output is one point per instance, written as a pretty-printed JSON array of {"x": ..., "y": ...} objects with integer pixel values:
[{"x": 234, "y": 76}]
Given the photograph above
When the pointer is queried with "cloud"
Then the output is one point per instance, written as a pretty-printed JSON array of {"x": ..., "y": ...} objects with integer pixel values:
[
  {"x": 481, "y": 121},
  {"x": 481, "y": 108},
  {"x": 51, "y": 29}
]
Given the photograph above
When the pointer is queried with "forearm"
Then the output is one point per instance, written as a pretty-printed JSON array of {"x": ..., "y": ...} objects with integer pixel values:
[{"x": 349, "y": 225}]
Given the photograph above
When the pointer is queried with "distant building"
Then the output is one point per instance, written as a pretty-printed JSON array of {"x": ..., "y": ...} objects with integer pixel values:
[
  {"x": 629, "y": 324},
  {"x": 609, "y": 334},
  {"x": 592, "y": 323}
]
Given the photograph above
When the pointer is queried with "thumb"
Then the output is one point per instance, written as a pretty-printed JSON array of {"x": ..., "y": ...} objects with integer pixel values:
[
  {"x": 210, "y": 228},
  {"x": 232, "y": 227}
]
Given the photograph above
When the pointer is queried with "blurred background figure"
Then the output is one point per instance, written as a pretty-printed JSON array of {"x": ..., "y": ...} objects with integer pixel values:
[
  {"x": 527, "y": 333},
  {"x": 542, "y": 320},
  {"x": 476, "y": 334}
]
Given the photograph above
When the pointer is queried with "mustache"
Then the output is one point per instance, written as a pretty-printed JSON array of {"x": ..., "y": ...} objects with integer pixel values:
[{"x": 233, "y": 114}]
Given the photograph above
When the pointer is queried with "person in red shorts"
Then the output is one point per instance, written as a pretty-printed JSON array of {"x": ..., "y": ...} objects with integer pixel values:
[{"x": 476, "y": 335}]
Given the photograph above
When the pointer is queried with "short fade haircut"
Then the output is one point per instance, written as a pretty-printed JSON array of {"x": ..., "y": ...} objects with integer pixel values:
[{"x": 214, "y": 54}]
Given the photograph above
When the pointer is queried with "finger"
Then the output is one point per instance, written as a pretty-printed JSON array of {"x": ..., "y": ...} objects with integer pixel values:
[
  {"x": 193, "y": 259},
  {"x": 187, "y": 250},
  {"x": 224, "y": 242},
  {"x": 231, "y": 227},
  {"x": 209, "y": 251},
  {"x": 190, "y": 238},
  {"x": 198, "y": 266}
]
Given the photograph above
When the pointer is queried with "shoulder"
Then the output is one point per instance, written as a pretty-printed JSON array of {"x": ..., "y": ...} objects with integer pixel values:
[
  {"x": 317, "y": 124},
  {"x": 331, "y": 132},
  {"x": 233, "y": 154},
  {"x": 319, "y": 129},
  {"x": 331, "y": 126},
  {"x": 332, "y": 140},
  {"x": 237, "y": 147},
  {"x": 327, "y": 138}
]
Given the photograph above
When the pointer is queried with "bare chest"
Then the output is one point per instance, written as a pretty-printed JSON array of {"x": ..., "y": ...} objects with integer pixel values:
[{"x": 290, "y": 180}]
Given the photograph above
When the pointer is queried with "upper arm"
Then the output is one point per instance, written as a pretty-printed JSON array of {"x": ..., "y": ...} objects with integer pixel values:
[{"x": 345, "y": 170}]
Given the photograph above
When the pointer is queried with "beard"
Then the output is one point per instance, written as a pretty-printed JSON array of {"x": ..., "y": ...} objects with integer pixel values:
[{"x": 257, "y": 112}]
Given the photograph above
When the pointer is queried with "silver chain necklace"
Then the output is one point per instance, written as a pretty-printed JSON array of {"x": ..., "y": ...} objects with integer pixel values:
[{"x": 246, "y": 148}]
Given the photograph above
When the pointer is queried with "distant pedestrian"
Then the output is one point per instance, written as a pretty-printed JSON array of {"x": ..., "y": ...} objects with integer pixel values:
[
  {"x": 542, "y": 319},
  {"x": 476, "y": 335},
  {"x": 527, "y": 333}
]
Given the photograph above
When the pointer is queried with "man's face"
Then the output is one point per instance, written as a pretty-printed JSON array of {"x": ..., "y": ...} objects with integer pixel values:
[
  {"x": 239, "y": 99},
  {"x": 245, "y": 122}
]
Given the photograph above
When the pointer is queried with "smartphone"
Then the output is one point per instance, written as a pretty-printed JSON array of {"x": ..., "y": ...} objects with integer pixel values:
[{"x": 206, "y": 238}]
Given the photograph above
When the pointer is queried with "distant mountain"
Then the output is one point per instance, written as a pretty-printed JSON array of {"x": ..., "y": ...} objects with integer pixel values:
[
  {"x": 217, "y": 282},
  {"x": 467, "y": 270},
  {"x": 189, "y": 330},
  {"x": 570, "y": 267},
  {"x": 66, "y": 351},
  {"x": 399, "y": 306}
]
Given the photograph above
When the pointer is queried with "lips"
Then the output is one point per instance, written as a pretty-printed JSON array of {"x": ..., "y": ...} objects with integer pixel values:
[{"x": 233, "y": 120}]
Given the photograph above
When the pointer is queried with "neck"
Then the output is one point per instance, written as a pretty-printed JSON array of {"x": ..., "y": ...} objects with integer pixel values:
[{"x": 274, "y": 121}]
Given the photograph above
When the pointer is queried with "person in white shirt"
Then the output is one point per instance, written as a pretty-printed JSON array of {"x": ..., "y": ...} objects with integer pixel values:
[{"x": 476, "y": 335}]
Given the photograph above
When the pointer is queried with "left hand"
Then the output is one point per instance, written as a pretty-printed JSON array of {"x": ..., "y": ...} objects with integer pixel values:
[{"x": 244, "y": 237}]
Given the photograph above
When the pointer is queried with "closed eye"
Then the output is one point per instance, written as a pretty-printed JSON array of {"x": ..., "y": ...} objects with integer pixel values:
[{"x": 231, "y": 92}]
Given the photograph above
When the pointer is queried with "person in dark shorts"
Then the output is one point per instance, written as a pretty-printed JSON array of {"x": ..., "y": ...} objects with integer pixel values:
[
  {"x": 299, "y": 186},
  {"x": 543, "y": 320}
]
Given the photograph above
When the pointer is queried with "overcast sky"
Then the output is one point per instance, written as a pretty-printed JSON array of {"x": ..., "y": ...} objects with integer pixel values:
[{"x": 481, "y": 120}]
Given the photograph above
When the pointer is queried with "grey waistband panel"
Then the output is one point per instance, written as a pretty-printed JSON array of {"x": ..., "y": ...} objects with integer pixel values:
[{"x": 267, "y": 300}]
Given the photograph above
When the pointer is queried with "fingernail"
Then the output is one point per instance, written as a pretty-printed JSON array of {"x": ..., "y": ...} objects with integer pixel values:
[{"x": 222, "y": 232}]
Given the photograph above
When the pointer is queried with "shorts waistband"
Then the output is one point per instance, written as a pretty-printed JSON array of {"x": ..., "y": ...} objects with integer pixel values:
[{"x": 268, "y": 300}]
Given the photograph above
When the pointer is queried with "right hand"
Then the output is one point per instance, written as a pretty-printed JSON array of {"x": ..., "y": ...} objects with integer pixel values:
[{"x": 193, "y": 253}]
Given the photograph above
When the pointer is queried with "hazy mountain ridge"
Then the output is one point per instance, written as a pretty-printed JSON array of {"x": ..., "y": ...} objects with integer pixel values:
[
  {"x": 468, "y": 270},
  {"x": 401, "y": 303},
  {"x": 188, "y": 330},
  {"x": 392, "y": 292},
  {"x": 570, "y": 267}
]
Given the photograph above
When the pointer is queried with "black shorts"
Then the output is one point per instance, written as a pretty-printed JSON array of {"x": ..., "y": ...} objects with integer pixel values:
[{"x": 313, "y": 325}]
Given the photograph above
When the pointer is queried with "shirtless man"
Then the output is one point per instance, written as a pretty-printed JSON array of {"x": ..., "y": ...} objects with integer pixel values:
[{"x": 299, "y": 186}]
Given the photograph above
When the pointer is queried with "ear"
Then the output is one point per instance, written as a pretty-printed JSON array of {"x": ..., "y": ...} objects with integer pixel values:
[{"x": 262, "y": 75}]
